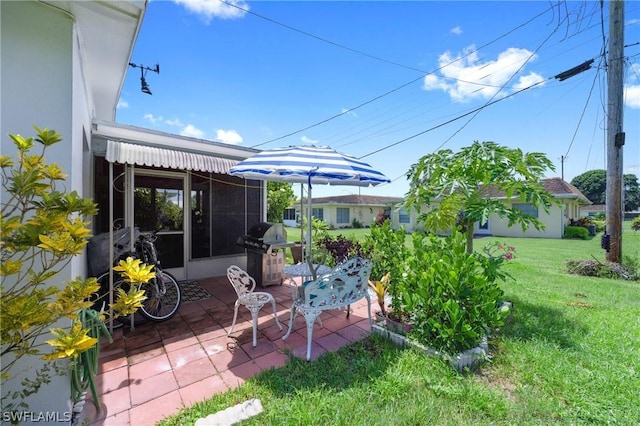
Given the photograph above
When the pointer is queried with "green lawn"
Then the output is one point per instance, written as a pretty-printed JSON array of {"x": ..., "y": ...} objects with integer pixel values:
[{"x": 570, "y": 354}]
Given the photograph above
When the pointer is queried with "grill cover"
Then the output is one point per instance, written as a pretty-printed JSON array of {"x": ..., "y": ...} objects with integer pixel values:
[{"x": 265, "y": 236}]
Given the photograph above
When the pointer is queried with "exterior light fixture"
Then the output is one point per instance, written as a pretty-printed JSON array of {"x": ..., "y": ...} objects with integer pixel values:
[{"x": 144, "y": 87}]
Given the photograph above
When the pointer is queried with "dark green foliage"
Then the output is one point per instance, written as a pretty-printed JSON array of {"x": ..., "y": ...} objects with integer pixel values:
[
  {"x": 635, "y": 224},
  {"x": 341, "y": 248},
  {"x": 576, "y": 232},
  {"x": 593, "y": 184},
  {"x": 452, "y": 295},
  {"x": 279, "y": 196},
  {"x": 388, "y": 254}
]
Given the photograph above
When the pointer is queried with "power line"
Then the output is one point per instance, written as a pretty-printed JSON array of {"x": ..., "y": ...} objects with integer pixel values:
[
  {"x": 504, "y": 85},
  {"x": 349, "y": 110},
  {"x": 454, "y": 119}
]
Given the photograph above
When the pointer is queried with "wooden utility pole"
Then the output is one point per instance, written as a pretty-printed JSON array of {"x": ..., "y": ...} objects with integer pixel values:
[{"x": 615, "y": 135}]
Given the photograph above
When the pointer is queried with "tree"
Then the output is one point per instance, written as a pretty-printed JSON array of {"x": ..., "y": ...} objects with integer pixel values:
[
  {"x": 461, "y": 184},
  {"x": 279, "y": 196},
  {"x": 41, "y": 230},
  {"x": 631, "y": 193},
  {"x": 593, "y": 184}
]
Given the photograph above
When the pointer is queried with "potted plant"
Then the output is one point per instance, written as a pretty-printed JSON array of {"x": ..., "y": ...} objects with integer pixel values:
[{"x": 379, "y": 288}]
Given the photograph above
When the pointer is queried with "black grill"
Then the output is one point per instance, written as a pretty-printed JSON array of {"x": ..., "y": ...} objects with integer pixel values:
[
  {"x": 264, "y": 259},
  {"x": 265, "y": 237}
]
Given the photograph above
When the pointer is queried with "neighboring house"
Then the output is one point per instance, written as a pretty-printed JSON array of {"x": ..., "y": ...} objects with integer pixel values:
[
  {"x": 63, "y": 67},
  {"x": 592, "y": 210},
  {"x": 344, "y": 210},
  {"x": 569, "y": 199}
]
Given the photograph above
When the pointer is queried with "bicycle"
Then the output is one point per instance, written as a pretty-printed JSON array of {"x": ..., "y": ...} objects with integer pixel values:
[{"x": 163, "y": 295}]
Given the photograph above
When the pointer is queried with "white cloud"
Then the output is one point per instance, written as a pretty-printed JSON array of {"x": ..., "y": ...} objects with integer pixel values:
[
  {"x": 192, "y": 131},
  {"x": 122, "y": 104},
  {"x": 208, "y": 9},
  {"x": 464, "y": 76},
  {"x": 456, "y": 30},
  {"x": 632, "y": 96},
  {"x": 153, "y": 119},
  {"x": 528, "y": 80},
  {"x": 308, "y": 140},
  {"x": 175, "y": 122},
  {"x": 228, "y": 136}
]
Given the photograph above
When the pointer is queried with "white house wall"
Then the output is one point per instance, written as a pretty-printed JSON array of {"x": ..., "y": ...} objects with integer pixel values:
[
  {"x": 40, "y": 71},
  {"x": 553, "y": 221}
]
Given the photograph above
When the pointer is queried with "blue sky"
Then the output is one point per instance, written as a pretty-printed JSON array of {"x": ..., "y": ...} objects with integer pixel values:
[{"x": 387, "y": 82}]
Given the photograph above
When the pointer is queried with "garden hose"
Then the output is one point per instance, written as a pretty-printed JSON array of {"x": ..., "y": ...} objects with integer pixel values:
[{"x": 85, "y": 367}]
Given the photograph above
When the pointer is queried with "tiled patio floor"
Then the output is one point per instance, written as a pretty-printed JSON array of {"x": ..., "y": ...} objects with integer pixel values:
[{"x": 158, "y": 368}]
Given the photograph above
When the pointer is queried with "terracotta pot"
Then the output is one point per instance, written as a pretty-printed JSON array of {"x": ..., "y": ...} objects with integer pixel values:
[
  {"x": 397, "y": 325},
  {"x": 296, "y": 252}
]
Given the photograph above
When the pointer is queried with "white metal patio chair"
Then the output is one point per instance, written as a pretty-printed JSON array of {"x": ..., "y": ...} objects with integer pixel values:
[{"x": 244, "y": 284}]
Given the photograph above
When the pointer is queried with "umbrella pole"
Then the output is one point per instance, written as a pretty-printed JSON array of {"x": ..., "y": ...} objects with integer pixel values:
[
  {"x": 309, "y": 217},
  {"x": 301, "y": 219}
]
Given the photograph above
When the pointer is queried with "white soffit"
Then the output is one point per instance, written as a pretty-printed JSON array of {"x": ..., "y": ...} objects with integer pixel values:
[{"x": 127, "y": 153}]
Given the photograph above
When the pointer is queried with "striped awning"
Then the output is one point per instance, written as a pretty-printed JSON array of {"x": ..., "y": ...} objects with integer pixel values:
[{"x": 128, "y": 153}]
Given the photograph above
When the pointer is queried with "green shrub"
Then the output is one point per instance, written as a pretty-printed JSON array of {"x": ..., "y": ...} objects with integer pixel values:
[
  {"x": 451, "y": 295},
  {"x": 600, "y": 224},
  {"x": 576, "y": 232},
  {"x": 388, "y": 254},
  {"x": 635, "y": 224}
]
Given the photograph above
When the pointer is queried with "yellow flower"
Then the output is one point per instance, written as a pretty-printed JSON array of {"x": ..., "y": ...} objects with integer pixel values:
[
  {"x": 72, "y": 344},
  {"x": 134, "y": 271}
]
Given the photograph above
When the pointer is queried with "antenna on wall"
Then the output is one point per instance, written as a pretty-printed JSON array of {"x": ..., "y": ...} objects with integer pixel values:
[{"x": 144, "y": 87}]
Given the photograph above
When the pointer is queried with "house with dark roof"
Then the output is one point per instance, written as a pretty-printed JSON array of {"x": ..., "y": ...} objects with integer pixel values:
[
  {"x": 343, "y": 211},
  {"x": 569, "y": 200},
  {"x": 593, "y": 210}
]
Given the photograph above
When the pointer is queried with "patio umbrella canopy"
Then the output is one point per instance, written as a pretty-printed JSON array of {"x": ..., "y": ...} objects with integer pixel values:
[{"x": 308, "y": 165}]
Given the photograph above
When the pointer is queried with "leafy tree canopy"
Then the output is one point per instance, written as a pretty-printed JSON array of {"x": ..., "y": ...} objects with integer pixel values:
[
  {"x": 458, "y": 182},
  {"x": 279, "y": 196},
  {"x": 593, "y": 184}
]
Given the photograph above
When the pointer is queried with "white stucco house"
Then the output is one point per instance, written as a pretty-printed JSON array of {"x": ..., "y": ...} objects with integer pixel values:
[
  {"x": 63, "y": 67},
  {"x": 341, "y": 211},
  {"x": 569, "y": 202}
]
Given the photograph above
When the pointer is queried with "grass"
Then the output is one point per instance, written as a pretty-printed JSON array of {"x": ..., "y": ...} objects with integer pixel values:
[{"x": 568, "y": 355}]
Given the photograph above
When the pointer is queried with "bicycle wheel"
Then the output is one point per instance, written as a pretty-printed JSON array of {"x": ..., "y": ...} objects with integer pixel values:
[
  {"x": 163, "y": 298},
  {"x": 102, "y": 301}
]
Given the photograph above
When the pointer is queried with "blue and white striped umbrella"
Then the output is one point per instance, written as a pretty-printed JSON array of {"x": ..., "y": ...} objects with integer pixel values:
[{"x": 308, "y": 164}]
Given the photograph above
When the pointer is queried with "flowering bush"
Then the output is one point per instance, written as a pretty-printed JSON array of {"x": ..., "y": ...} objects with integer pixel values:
[
  {"x": 493, "y": 257},
  {"x": 341, "y": 248}
]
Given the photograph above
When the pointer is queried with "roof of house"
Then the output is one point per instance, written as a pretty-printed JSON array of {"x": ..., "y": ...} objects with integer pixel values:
[
  {"x": 354, "y": 199},
  {"x": 555, "y": 186},
  {"x": 594, "y": 208}
]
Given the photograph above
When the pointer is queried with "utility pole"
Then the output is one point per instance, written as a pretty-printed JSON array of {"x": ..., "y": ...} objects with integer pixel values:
[
  {"x": 615, "y": 135},
  {"x": 562, "y": 158}
]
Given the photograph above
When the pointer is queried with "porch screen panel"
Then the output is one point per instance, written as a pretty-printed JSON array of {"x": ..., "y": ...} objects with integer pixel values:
[
  {"x": 101, "y": 196},
  {"x": 200, "y": 201},
  {"x": 230, "y": 202}
]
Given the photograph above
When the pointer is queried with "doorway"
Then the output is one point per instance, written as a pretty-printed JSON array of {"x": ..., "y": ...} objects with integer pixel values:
[{"x": 159, "y": 205}]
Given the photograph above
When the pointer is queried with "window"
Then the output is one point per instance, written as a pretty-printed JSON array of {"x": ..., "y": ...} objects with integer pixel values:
[
  {"x": 289, "y": 214},
  {"x": 318, "y": 213},
  {"x": 403, "y": 215},
  {"x": 527, "y": 208},
  {"x": 342, "y": 215}
]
